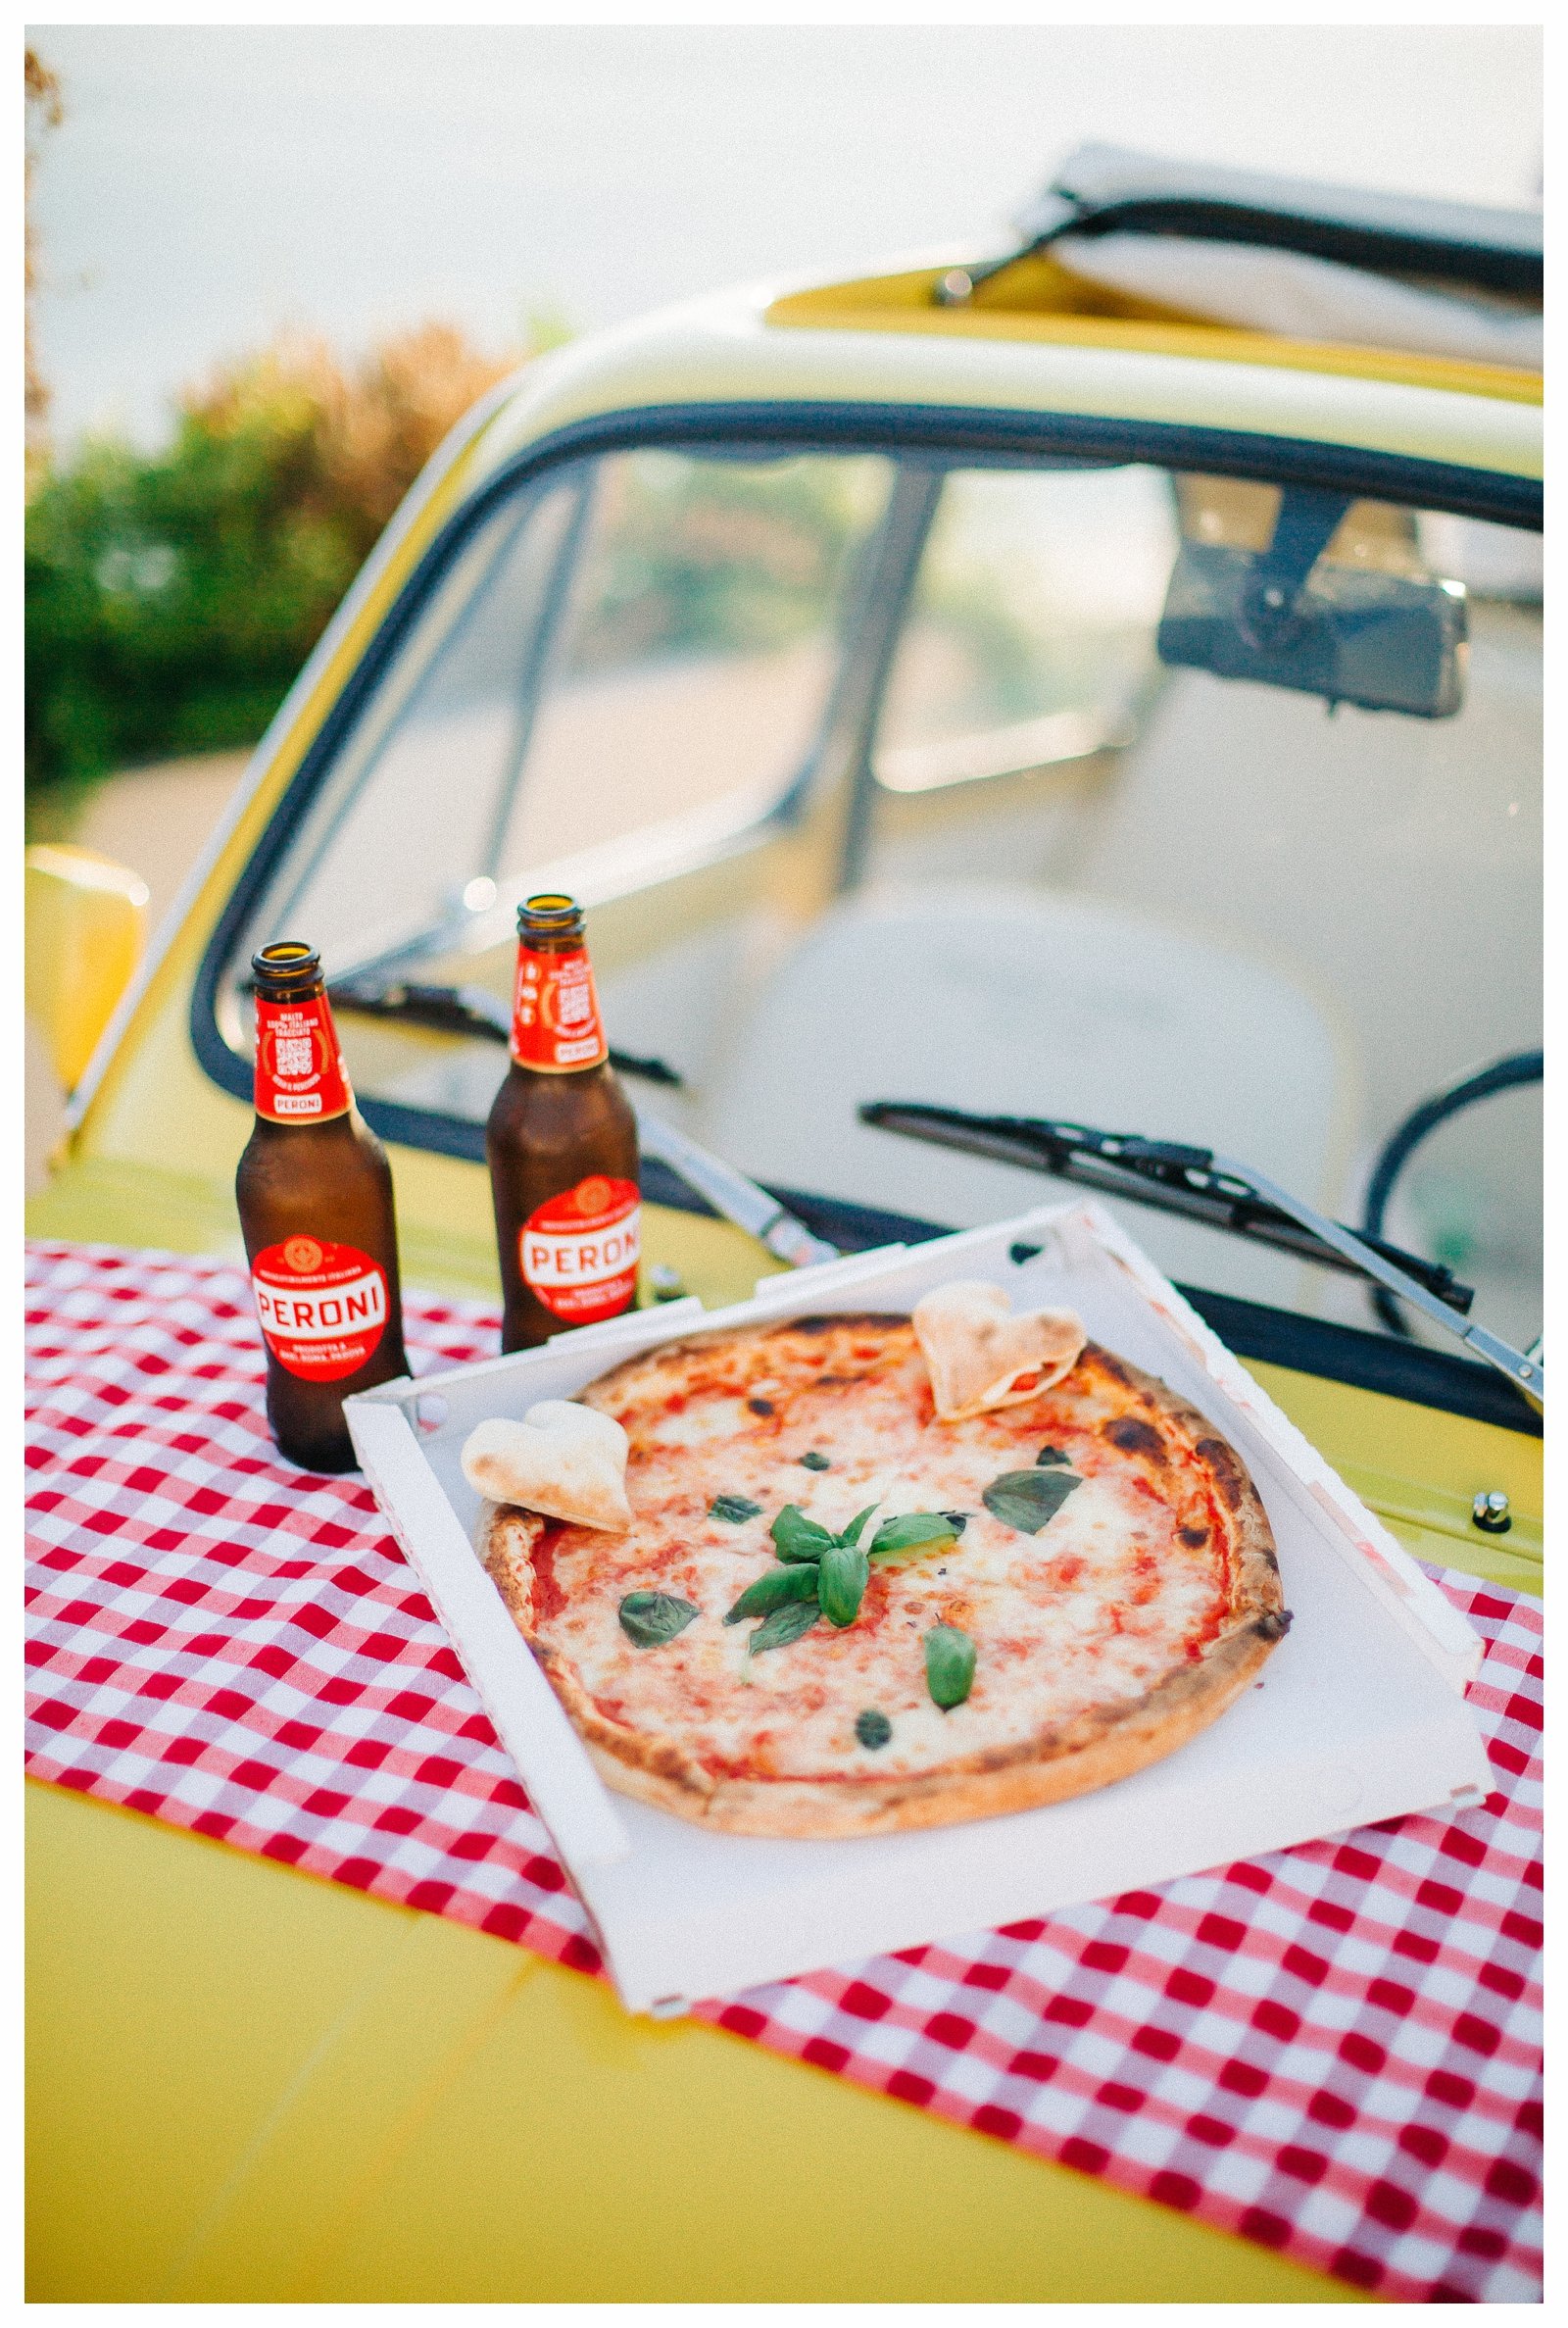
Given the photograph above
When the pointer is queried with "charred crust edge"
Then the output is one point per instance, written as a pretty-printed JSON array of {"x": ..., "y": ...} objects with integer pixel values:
[
  {"x": 1117, "y": 1369},
  {"x": 1134, "y": 1436},
  {"x": 1226, "y": 1466},
  {"x": 824, "y": 1323}
]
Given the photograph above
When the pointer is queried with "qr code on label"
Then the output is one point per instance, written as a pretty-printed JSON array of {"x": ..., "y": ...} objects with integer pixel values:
[{"x": 294, "y": 1055}]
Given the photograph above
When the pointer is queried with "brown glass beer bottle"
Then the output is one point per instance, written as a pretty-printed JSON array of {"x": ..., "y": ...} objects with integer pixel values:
[
  {"x": 314, "y": 1192},
  {"x": 562, "y": 1141}
]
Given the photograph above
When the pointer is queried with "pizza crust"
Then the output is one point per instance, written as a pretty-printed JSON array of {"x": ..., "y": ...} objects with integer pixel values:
[{"x": 1099, "y": 1745}]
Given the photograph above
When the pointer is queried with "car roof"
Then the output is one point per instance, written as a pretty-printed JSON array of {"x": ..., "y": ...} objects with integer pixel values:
[
  {"x": 1241, "y": 266},
  {"x": 1042, "y": 300},
  {"x": 880, "y": 344}
]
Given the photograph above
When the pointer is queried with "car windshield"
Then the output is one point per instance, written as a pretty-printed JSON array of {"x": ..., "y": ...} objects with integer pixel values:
[{"x": 1163, "y": 802}]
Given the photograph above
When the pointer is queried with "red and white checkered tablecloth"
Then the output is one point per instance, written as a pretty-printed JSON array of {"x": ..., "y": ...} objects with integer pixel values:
[{"x": 1333, "y": 2051}]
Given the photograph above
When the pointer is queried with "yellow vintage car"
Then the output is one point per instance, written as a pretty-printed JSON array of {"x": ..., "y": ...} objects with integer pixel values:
[{"x": 1095, "y": 683}]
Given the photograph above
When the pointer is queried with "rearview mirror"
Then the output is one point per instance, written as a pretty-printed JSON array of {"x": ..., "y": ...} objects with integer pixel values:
[{"x": 1283, "y": 618}]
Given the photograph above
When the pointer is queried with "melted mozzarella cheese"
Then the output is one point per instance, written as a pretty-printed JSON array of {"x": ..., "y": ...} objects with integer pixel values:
[
  {"x": 707, "y": 1425},
  {"x": 1092, "y": 1610}
]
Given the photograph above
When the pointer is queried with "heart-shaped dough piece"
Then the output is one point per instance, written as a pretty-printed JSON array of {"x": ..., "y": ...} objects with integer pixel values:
[
  {"x": 565, "y": 1461},
  {"x": 981, "y": 1356}
]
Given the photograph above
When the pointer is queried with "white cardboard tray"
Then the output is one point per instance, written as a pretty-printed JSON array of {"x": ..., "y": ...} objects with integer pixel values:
[{"x": 1359, "y": 1715}]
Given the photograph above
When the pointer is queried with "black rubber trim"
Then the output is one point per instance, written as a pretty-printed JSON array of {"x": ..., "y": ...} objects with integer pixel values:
[
  {"x": 1102, "y": 189},
  {"x": 1375, "y": 249},
  {"x": 1369, "y": 1362},
  {"x": 1519, "y": 1068}
]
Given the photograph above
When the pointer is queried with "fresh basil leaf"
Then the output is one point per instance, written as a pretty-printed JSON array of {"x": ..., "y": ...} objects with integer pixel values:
[
  {"x": 872, "y": 1727},
  {"x": 1027, "y": 1500},
  {"x": 1053, "y": 1455},
  {"x": 774, "y": 1589},
  {"x": 841, "y": 1582},
  {"x": 652, "y": 1618},
  {"x": 850, "y": 1534},
  {"x": 912, "y": 1531},
  {"x": 734, "y": 1509},
  {"x": 948, "y": 1665},
  {"x": 797, "y": 1537},
  {"x": 815, "y": 1462},
  {"x": 785, "y": 1625}
]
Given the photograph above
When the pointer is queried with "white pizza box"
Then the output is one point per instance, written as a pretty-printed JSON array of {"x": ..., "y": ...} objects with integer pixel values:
[{"x": 1359, "y": 1715}]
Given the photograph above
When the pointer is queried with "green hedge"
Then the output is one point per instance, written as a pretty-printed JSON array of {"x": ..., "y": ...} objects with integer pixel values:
[{"x": 172, "y": 597}]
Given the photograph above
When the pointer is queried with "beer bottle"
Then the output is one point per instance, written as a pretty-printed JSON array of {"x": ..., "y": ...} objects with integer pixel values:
[
  {"x": 314, "y": 1192},
  {"x": 561, "y": 1143}
]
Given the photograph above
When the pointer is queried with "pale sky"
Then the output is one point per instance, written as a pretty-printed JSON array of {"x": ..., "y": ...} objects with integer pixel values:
[{"x": 212, "y": 184}]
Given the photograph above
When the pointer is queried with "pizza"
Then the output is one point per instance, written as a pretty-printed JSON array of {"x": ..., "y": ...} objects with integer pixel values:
[{"x": 835, "y": 1613}]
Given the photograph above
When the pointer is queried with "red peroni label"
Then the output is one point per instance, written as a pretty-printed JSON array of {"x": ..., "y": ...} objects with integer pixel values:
[
  {"x": 300, "y": 1076},
  {"x": 324, "y": 1308},
  {"x": 554, "y": 1012},
  {"x": 579, "y": 1250}
]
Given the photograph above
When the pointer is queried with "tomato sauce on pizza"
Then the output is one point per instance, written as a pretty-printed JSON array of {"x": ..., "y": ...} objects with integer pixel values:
[{"x": 1106, "y": 1584}]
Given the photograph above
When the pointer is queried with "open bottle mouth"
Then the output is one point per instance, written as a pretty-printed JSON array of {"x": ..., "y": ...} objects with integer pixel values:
[
  {"x": 286, "y": 968},
  {"x": 550, "y": 914}
]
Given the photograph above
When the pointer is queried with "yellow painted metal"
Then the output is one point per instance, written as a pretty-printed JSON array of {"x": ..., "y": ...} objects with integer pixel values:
[
  {"x": 86, "y": 921},
  {"x": 1042, "y": 303},
  {"x": 248, "y": 2086},
  {"x": 446, "y": 1232},
  {"x": 1420, "y": 1469},
  {"x": 97, "y": 1200}
]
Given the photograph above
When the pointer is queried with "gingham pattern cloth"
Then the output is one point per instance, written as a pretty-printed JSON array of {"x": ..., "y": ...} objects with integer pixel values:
[{"x": 1333, "y": 2051}]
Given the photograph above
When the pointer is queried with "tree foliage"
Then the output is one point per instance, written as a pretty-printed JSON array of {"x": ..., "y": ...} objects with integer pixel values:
[{"x": 172, "y": 597}]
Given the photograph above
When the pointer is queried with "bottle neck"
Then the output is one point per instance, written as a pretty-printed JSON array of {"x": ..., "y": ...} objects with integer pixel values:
[
  {"x": 555, "y": 1023},
  {"x": 300, "y": 1074}
]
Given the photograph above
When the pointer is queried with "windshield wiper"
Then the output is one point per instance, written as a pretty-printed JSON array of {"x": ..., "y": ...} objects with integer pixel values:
[
  {"x": 475, "y": 1011},
  {"x": 1204, "y": 1185},
  {"x": 1159, "y": 1172},
  {"x": 463, "y": 1010}
]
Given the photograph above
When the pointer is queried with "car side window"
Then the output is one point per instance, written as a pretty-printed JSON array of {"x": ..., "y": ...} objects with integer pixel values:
[
  {"x": 696, "y": 650},
  {"x": 1029, "y": 636},
  {"x": 644, "y": 642}
]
